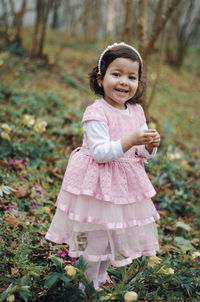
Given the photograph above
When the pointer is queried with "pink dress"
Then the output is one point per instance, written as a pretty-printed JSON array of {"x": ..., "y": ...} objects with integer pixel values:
[{"x": 114, "y": 196}]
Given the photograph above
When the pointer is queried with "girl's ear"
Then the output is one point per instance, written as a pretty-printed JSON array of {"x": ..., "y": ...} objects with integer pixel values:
[{"x": 99, "y": 79}]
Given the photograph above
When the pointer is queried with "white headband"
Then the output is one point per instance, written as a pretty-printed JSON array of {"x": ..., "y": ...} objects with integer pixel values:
[{"x": 116, "y": 45}]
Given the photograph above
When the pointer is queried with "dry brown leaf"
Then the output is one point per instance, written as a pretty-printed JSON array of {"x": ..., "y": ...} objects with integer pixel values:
[
  {"x": 163, "y": 213},
  {"x": 3, "y": 204},
  {"x": 4, "y": 201},
  {"x": 52, "y": 60},
  {"x": 169, "y": 228},
  {"x": 32, "y": 212},
  {"x": 41, "y": 233},
  {"x": 13, "y": 244},
  {"x": 49, "y": 180},
  {"x": 22, "y": 190},
  {"x": 195, "y": 241},
  {"x": 60, "y": 246},
  {"x": 31, "y": 219},
  {"x": 10, "y": 219},
  {"x": 56, "y": 172},
  {"x": 3, "y": 162},
  {"x": 14, "y": 272}
]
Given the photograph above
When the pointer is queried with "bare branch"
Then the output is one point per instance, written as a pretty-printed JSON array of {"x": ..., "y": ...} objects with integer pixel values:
[
  {"x": 19, "y": 21},
  {"x": 12, "y": 9},
  {"x": 5, "y": 15},
  {"x": 33, "y": 51},
  {"x": 195, "y": 27},
  {"x": 158, "y": 70},
  {"x": 43, "y": 31},
  {"x": 187, "y": 20},
  {"x": 158, "y": 14},
  {"x": 165, "y": 17},
  {"x": 142, "y": 24},
  {"x": 127, "y": 21}
]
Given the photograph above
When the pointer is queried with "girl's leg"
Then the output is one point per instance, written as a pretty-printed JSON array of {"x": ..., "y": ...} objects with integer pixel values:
[
  {"x": 92, "y": 272},
  {"x": 103, "y": 275},
  {"x": 97, "y": 245}
]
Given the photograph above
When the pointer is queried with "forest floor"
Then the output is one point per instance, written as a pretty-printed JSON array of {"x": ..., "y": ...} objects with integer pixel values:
[{"x": 42, "y": 104}]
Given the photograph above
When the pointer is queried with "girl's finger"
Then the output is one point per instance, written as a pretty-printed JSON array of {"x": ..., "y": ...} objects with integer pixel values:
[
  {"x": 148, "y": 141},
  {"x": 150, "y": 130},
  {"x": 155, "y": 144},
  {"x": 156, "y": 140},
  {"x": 150, "y": 135}
]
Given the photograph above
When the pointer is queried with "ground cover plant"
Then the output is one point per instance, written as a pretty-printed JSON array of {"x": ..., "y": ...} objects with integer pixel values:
[{"x": 40, "y": 123}]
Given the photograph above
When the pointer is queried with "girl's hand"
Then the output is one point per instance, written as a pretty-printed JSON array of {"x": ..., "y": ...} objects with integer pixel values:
[
  {"x": 154, "y": 143},
  {"x": 142, "y": 137},
  {"x": 145, "y": 137}
]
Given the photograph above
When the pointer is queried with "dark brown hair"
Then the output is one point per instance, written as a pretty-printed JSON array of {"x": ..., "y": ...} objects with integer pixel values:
[{"x": 108, "y": 58}]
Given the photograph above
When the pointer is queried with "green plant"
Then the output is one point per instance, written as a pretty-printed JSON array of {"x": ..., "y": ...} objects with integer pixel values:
[{"x": 19, "y": 287}]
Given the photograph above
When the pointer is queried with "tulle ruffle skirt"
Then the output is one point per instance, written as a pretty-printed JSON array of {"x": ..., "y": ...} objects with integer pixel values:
[{"x": 126, "y": 231}]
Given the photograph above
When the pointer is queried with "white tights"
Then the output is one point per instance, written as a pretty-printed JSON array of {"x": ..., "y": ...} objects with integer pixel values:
[{"x": 97, "y": 245}]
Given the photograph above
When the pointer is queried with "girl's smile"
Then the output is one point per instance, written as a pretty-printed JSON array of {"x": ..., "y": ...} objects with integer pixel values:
[{"x": 120, "y": 82}]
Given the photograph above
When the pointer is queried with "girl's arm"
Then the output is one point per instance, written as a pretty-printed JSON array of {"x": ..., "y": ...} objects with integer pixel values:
[
  {"x": 101, "y": 148},
  {"x": 145, "y": 137}
]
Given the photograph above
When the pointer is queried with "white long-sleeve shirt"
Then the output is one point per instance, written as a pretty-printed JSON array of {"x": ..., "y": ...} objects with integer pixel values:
[{"x": 102, "y": 148}]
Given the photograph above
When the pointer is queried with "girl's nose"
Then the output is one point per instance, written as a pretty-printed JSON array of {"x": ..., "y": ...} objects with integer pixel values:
[{"x": 123, "y": 81}]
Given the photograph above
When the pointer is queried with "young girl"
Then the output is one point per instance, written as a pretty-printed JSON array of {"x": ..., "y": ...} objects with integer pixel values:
[{"x": 104, "y": 208}]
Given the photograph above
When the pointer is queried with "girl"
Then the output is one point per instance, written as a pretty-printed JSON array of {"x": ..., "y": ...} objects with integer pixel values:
[{"x": 104, "y": 208}]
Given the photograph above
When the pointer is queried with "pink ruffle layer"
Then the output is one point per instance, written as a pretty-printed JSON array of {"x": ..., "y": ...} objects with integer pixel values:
[
  {"x": 126, "y": 244},
  {"x": 120, "y": 181},
  {"x": 96, "y": 258},
  {"x": 131, "y": 229},
  {"x": 86, "y": 209},
  {"x": 117, "y": 263}
]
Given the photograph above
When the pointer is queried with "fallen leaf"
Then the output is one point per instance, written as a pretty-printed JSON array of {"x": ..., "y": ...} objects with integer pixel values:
[
  {"x": 3, "y": 162},
  {"x": 14, "y": 272},
  {"x": 4, "y": 201},
  {"x": 31, "y": 219},
  {"x": 195, "y": 241},
  {"x": 56, "y": 172},
  {"x": 10, "y": 219},
  {"x": 60, "y": 246},
  {"x": 166, "y": 186},
  {"x": 13, "y": 244},
  {"x": 49, "y": 180},
  {"x": 3, "y": 204},
  {"x": 22, "y": 191},
  {"x": 52, "y": 60},
  {"x": 169, "y": 228},
  {"x": 163, "y": 213}
]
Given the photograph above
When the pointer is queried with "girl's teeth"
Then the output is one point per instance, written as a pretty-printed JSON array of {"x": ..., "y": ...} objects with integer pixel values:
[{"x": 121, "y": 90}]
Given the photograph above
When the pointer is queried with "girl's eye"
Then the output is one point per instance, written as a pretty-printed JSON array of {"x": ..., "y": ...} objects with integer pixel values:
[
  {"x": 133, "y": 78},
  {"x": 115, "y": 74}
]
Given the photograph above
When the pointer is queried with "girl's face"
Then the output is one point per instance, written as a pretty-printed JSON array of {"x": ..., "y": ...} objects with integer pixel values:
[{"x": 120, "y": 82}]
